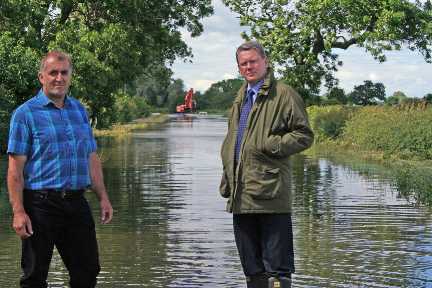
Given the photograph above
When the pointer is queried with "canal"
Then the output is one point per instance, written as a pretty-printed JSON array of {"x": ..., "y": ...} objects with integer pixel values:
[{"x": 352, "y": 228}]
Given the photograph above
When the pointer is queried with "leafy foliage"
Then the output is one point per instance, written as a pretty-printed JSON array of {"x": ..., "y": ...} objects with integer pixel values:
[
  {"x": 153, "y": 86},
  {"x": 19, "y": 66},
  {"x": 398, "y": 97},
  {"x": 328, "y": 122},
  {"x": 428, "y": 98},
  {"x": 220, "y": 95},
  {"x": 368, "y": 93},
  {"x": 130, "y": 108},
  {"x": 111, "y": 42},
  {"x": 176, "y": 92},
  {"x": 403, "y": 133},
  {"x": 337, "y": 95},
  {"x": 302, "y": 35}
]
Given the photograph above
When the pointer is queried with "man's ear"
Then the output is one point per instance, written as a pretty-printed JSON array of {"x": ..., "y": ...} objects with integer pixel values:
[{"x": 40, "y": 77}]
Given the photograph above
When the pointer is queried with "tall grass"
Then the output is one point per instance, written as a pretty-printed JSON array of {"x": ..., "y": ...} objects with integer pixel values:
[
  {"x": 398, "y": 133},
  {"x": 328, "y": 122}
]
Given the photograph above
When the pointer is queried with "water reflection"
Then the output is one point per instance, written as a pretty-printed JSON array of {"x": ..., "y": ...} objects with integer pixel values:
[
  {"x": 167, "y": 199},
  {"x": 352, "y": 228}
]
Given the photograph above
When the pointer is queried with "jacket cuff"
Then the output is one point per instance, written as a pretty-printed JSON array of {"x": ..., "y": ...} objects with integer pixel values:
[{"x": 273, "y": 145}]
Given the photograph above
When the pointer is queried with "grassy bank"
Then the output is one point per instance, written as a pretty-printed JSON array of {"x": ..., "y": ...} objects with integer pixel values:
[
  {"x": 399, "y": 139},
  {"x": 397, "y": 133},
  {"x": 410, "y": 178},
  {"x": 139, "y": 124}
]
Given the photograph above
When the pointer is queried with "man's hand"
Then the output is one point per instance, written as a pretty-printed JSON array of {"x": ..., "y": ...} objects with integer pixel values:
[
  {"x": 98, "y": 187},
  {"x": 106, "y": 211},
  {"x": 15, "y": 182},
  {"x": 22, "y": 225}
]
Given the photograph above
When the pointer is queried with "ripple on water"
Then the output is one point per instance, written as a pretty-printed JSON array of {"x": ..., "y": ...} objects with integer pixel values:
[{"x": 351, "y": 227}]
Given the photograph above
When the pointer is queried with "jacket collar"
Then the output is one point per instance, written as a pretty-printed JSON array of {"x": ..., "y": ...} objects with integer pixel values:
[
  {"x": 264, "y": 90},
  {"x": 268, "y": 80}
]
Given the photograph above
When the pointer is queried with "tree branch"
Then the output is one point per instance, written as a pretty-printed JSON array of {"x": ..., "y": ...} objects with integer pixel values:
[
  {"x": 318, "y": 44},
  {"x": 66, "y": 10},
  {"x": 345, "y": 43}
]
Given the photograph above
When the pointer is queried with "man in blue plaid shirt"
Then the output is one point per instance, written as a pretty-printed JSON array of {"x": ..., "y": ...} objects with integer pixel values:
[{"x": 52, "y": 161}]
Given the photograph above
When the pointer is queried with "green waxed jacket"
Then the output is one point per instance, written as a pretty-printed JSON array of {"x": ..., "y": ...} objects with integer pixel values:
[{"x": 277, "y": 128}]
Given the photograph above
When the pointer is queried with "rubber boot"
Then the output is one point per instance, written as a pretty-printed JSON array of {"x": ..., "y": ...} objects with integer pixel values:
[
  {"x": 257, "y": 281},
  {"x": 281, "y": 282}
]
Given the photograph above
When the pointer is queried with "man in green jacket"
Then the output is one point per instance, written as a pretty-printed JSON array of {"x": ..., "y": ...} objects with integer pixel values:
[{"x": 267, "y": 124}]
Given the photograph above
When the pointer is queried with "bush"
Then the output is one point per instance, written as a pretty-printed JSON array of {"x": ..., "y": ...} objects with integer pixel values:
[
  {"x": 128, "y": 108},
  {"x": 328, "y": 122},
  {"x": 405, "y": 134}
]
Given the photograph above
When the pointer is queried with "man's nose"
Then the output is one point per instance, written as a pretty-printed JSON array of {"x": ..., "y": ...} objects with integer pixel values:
[{"x": 58, "y": 77}]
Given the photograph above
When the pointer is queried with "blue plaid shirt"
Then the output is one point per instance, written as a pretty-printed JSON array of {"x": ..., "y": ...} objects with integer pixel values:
[{"x": 57, "y": 143}]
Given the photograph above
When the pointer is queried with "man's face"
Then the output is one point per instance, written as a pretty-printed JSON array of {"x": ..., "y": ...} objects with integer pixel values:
[
  {"x": 56, "y": 78},
  {"x": 251, "y": 65}
]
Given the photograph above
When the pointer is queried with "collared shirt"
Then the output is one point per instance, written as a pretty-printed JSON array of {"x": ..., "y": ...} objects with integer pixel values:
[
  {"x": 256, "y": 87},
  {"x": 57, "y": 143}
]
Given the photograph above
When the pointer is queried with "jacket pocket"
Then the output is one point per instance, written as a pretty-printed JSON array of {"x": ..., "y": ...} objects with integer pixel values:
[
  {"x": 263, "y": 184},
  {"x": 224, "y": 188}
]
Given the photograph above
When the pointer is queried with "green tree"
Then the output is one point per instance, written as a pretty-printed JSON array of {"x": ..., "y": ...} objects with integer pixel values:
[
  {"x": 428, "y": 98},
  {"x": 368, "y": 93},
  {"x": 302, "y": 35},
  {"x": 111, "y": 42},
  {"x": 176, "y": 92},
  {"x": 337, "y": 95},
  {"x": 398, "y": 97},
  {"x": 220, "y": 95},
  {"x": 18, "y": 71},
  {"x": 152, "y": 85},
  {"x": 130, "y": 108}
]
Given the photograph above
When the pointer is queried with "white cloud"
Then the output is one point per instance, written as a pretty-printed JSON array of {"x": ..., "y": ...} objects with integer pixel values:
[
  {"x": 229, "y": 76},
  {"x": 403, "y": 71},
  {"x": 214, "y": 60},
  {"x": 214, "y": 50},
  {"x": 373, "y": 77},
  {"x": 201, "y": 84}
]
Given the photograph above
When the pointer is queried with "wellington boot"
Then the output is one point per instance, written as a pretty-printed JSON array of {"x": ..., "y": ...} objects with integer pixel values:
[
  {"x": 281, "y": 282},
  {"x": 257, "y": 281}
]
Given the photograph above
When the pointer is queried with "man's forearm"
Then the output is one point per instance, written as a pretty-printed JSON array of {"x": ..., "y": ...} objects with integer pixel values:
[
  {"x": 15, "y": 183},
  {"x": 98, "y": 187},
  {"x": 97, "y": 180}
]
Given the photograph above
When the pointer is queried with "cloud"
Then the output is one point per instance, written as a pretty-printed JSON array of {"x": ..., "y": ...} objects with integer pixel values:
[
  {"x": 214, "y": 60},
  {"x": 403, "y": 71},
  {"x": 201, "y": 84},
  {"x": 227, "y": 76},
  {"x": 214, "y": 50}
]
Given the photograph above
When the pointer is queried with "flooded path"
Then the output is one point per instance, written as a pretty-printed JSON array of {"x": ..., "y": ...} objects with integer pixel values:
[{"x": 351, "y": 227}]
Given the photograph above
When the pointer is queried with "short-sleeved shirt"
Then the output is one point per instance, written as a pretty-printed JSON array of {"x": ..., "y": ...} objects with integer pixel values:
[{"x": 57, "y": 143}]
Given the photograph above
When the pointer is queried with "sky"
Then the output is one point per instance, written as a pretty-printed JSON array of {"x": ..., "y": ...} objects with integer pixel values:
[{"x": 214, "y": 60}]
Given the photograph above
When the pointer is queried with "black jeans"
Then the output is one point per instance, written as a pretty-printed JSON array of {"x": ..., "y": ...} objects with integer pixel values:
[
  {"x": 68, "y": 224},
  {"x": 265, "y": 243}
]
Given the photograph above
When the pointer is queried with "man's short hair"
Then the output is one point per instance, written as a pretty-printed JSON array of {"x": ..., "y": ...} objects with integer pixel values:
[
  {"x": 251, "y": 45},
  {"x": 58, "y": 55}
]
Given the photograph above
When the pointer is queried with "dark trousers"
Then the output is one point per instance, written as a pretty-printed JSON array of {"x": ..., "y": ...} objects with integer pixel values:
[
  {"x": 68, "y": 224},
  {"x": 265, "y": 244}
]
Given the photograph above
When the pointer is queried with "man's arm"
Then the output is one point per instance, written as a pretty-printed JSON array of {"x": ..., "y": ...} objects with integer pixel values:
[
  {"x": 15, "y": 182},
  {"x": 299, "y": 137},
  {"x": 98, "y": 187}
]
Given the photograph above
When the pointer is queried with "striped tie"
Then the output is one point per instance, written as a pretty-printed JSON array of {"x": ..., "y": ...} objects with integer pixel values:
[{"x": 244, "y": 113}]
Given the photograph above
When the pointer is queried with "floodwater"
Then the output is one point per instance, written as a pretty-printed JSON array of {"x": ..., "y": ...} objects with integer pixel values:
[{"x": 352, "y": 227}]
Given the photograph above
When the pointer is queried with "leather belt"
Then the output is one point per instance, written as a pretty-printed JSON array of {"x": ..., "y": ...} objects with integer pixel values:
[{"x": 57, "y": 193}]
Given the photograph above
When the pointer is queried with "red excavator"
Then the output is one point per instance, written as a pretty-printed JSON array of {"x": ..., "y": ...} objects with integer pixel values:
[{"x": 189, "y": 103}]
